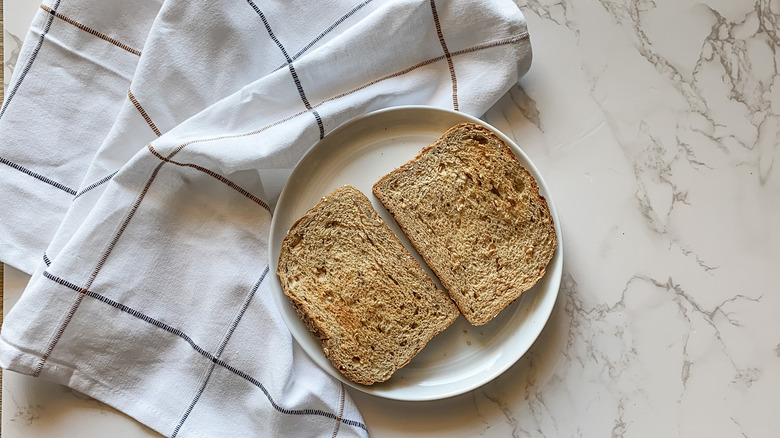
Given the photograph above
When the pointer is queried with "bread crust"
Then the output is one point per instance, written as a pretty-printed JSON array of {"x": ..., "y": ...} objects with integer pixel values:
[
  {"x": 476, "y": 216},
  {"x": 358, "y": 289}
]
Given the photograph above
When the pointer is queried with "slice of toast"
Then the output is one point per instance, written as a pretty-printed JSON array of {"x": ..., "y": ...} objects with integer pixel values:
[
  {"x": 358, "y": 289},
  {"x": 476, "y": 216}
]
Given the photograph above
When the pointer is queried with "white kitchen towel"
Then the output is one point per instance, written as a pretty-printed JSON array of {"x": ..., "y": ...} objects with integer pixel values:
[{"x": 142, "y": 147}]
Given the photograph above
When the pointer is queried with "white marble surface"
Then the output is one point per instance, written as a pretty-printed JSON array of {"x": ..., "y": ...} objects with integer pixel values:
[{"x": 656, "y": 125}]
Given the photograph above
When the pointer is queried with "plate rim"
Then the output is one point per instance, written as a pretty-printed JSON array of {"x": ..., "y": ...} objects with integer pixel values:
[{"x": 555, "y": 281}]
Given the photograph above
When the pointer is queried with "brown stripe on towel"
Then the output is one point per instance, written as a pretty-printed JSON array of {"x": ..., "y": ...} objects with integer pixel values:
[
  {"x": 143, "y": 113},
  {"x": 340, "y": 414},
  {"x": 214, "y": 175},
  {"x": 501, "y": 42},
  {"x": 100, "y": 35},
  {"x": 476, "y": 48},
  {"x": 58, "y": 333}
]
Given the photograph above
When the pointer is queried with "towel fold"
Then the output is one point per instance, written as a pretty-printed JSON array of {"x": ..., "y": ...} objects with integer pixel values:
[{"x": 142, "y": 147}]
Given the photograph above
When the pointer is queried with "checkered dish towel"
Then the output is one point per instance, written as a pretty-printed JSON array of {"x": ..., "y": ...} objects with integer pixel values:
[{"x": 142, "y": 145}]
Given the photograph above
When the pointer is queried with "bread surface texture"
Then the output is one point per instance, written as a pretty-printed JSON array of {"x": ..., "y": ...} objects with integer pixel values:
[
  {"x": 358, "y": 289},
  {"x": 476, "y": 216}
]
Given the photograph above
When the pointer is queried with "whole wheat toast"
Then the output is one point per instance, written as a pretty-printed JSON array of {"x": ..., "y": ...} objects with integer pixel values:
[
  {"x": 357, "y": 288},
  {"x": 476, "y": 217}
]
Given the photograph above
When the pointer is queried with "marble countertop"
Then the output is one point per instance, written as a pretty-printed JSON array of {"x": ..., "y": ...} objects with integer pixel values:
[{"x": 656, "y": 125}]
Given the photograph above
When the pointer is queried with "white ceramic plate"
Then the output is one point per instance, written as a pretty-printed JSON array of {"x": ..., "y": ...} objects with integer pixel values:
[{"x": 361, "y": 151}]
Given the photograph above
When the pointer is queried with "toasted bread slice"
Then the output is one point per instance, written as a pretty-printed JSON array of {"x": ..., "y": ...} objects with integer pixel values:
[
  {"x": 358, "y": 289},
  {"x": 476, "y": 216}
]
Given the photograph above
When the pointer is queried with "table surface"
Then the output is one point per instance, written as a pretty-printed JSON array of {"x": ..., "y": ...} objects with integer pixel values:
[{"x": 656, "y": 125}]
